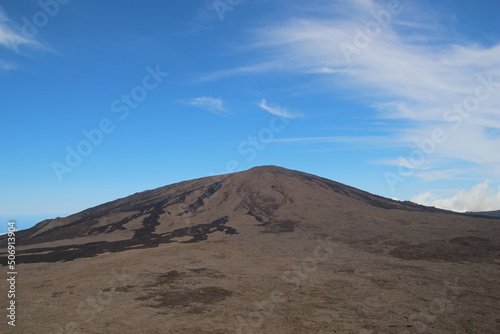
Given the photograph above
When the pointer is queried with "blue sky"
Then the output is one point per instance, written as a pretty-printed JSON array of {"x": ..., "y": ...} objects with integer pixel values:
[{"x": 101, "y": 99}]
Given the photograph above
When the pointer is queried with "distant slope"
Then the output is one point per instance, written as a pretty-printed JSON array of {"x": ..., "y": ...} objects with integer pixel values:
[{"x": 485, "y": 213}]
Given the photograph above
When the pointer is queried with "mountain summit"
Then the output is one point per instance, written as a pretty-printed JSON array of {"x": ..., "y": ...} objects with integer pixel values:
[
  {"x": 267, "y": 250},
  {"x": 262, "y": 200}
]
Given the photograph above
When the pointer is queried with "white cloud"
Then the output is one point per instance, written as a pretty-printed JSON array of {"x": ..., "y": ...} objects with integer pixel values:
[
  {"x": 414, "y": 75},
  {"x": 481, "y": 197},
  {"x": 277, "y": 110},
  {"x": 7, "y": 66},
  {"x": 12, "y": 40},
  {"x": 243, "y": 70},
  {"x": 352, "y": 141},
  {"x": 3, "y": 16},
  {"x": 328, "y": 70},
  {"x": 216, "y": 106}
]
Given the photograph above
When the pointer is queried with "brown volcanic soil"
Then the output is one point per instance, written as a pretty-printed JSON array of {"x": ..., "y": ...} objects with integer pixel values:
[{"x": 267, "y": 250}]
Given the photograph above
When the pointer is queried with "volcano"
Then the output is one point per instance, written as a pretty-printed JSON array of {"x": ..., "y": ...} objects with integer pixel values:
[
  {"x": 265, "y": 199},
  {"x": 267, "y": 250}
]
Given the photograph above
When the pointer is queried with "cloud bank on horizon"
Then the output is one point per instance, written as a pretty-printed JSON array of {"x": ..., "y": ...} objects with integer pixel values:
[{"x": 481, "y": 197}]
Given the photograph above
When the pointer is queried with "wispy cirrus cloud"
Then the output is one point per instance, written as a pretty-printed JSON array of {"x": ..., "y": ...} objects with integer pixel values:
[
  {"x": 12, "y": 39},
  {"x": 351, "y": 140},
  {"x": 277, "y": 110},
  {"x": 445, "y": 174},
  {"x": 7, "y": 66},
  {"x": 214, "y": 105},
  {"x": 409, "y": 71},
  {"x": 252, "y": 69}
]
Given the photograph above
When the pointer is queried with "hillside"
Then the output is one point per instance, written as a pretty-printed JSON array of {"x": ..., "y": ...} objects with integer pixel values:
[{"x": 267, "y": 250}]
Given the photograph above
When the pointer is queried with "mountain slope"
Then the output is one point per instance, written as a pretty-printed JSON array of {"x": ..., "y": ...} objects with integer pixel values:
[
  {"x": 268, "y": 250},
  {"x": 265, "y": 199}
]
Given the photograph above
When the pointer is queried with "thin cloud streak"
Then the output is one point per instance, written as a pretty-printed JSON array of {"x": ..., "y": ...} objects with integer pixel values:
[
  {"x": 7, "y": 66},
  {"x": 214, "y": 105},
  {"x": 242, "y": 70},
  {"x": 277, "y": 110},
  {"x": 368, "y": 140},
  {"x": 12, "y": 40}
]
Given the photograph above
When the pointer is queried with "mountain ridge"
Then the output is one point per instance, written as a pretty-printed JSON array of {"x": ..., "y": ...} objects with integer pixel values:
[
  {"x": 151, "y": 194},
  {"x": 274, "y": 199}
]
